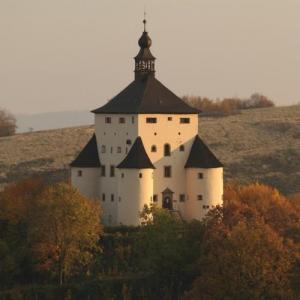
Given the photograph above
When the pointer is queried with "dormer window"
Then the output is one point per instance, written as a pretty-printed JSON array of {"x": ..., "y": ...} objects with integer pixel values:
[
  {"x": 167, "y": 150},
  {"x": 151, "y": 120}
]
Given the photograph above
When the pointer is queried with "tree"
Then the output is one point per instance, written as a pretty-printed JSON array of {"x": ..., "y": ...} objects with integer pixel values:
[
  {"x": 64, "y": 231},
  {"x": 250, "y": 261},
  {"x": 7, "y": 123}
]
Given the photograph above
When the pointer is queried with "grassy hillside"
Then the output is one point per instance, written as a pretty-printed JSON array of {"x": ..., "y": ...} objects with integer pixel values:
[{"x": 261, "y": 144}]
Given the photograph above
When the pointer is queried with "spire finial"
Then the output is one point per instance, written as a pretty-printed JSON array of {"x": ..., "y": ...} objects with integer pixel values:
[{"x": 145, "y": 21}]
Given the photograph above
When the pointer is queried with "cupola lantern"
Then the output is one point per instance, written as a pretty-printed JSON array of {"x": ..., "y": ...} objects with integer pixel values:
[{"x": 144, "y": 61}]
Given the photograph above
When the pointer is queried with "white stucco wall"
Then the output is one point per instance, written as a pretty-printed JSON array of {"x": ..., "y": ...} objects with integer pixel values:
[
  {"x": 133, "y": 193},
  {"x": 113, "y": 135},
  {"x": 210, "y": 187},
  {"x": 88, "y": 182},
  {"x": 174, "y": 133}
]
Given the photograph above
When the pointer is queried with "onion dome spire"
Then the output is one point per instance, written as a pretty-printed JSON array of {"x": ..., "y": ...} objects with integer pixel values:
[{"x": 144, "y": 61}]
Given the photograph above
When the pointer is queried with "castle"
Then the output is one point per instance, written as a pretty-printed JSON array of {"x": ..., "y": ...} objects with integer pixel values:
[{"x": 146, "y": 149}]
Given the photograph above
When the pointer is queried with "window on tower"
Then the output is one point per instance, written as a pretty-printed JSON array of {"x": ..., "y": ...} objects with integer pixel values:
[
  {"x": 184, "y": 120},
  {"x": 200, "y": 197},
  {"x": 200, "y": 175},
  {"x": 103, "y": 149},
  {"x": 122, "y": 120},
  {"x": 112, "y": 171},
  {"x": 155, "y": 198},
  {"x": 167, "y": 150},
  {"x": 151, "y": 120},
  {"x": 79, "y": 173},
  {"x": 153, "y": 148},
  {"x": 181, "y": 148},
  {"x": 108, "y": 120},
  {"x": 168, "y": 171},
  {"x": 103, "y": 171},
  {"x": 182, "y": 197}
]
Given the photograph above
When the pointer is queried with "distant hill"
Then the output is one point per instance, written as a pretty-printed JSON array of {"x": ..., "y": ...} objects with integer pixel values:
[
  {"x": 256, "y": 145},
  {"x": 53, "y": 120}
]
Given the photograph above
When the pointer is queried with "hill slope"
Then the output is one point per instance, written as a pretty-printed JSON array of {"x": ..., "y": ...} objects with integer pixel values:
[{"x": 261, "y": 144}]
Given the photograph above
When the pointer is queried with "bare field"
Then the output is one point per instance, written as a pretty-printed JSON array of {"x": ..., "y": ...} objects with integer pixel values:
[{"x": 256, "y": 145}]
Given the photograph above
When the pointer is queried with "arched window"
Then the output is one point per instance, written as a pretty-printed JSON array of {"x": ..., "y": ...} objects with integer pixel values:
[
  {"x": 153, "y": 148},
  {"x": 167, "y": 150}
]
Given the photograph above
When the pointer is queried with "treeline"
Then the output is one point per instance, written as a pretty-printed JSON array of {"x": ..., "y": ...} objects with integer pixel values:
[
  {"x": 7, "y": 123},
  {"x": 53, "y": 246},
  {"x": 227, "y": 106}
]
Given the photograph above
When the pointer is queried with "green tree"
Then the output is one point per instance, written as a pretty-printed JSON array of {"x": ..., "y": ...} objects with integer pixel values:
[{"x": 64, "y": 231}]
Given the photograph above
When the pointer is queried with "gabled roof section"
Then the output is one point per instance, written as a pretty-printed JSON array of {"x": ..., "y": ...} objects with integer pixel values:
[
  {"x": 88, "y": 157},
  {"x": 137, "y": 157},
  {"x": 201, "y": 157},
  {"x": 146, "y": 95}
]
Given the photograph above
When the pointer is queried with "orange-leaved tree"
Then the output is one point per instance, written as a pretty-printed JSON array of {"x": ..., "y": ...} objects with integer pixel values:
[{"x": 64, "y": 231}]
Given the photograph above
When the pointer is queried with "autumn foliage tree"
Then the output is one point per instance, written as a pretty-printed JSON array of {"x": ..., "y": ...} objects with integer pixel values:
[
  {"x": 250, "y": 248},
  {"x": 64, "y": 230},
  {"x": 54, "y": 230},
  {"x": 7, "y": 123}
]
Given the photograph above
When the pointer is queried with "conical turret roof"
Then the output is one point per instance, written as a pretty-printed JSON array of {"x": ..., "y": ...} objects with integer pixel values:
[
  {"x": 137, "y": 157},
  {"x": 201, "y": 157}
]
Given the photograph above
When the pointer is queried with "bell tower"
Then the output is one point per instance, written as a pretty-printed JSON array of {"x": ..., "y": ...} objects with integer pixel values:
[{"x": 144, "y": 61}]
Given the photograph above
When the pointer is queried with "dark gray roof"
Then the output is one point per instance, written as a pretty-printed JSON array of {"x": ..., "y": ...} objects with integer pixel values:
[
  {"x": 146, "y": 95},
  {"x": 88, "y": 157},
  {"x": 137, "y": 157},
  {"x": 201, "y": 157}
]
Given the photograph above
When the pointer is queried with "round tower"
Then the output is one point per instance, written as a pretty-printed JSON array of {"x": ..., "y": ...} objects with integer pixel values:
[
  {"x": 204, "y": 181},
  {"x": 135, "y": 190},
  {"x": 135, "y": 184},
  {"x": 204, "y": 190}
]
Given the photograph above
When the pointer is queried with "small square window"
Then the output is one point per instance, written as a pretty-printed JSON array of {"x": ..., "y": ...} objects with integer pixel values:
[
  {"x": 112, "y": 171},
  {"x": 155, "y": 198},
  {"x": 103, "y": 197},
  {"x": 112, "y": 197},
  {"x": 170, "y": 118},
  {"x": 122, "y": 175},
  {"x": 167, "y": 171},
  {"x": 153, "y": 148},
  {"x": 122, "y": 120},
  {"x": 200, "y": 175},
  {"x": 119, "y": 149},
  {"x": 151, "y": 120},
  {"x": 182, "y": 197},
  {"x": 140, "y": 175},
  {"x": 108, "y": 120},
  {"x": 79, "y": 173},
  {"x": 103, "y": 149},
  {"x": 181, "y": 148},
  {"x": 184, "y": 120},
  {"x": 200, "y": 197},
  {"x": 205, "y": 206},
  {"x": 128, "y": 142}
]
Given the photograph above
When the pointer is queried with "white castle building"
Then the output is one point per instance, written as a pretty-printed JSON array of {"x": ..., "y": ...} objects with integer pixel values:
[{"x": 146, "y": 149}]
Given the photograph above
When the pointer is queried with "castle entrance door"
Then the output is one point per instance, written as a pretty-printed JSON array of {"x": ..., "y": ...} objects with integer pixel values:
[{"x": 167, "y": 199}]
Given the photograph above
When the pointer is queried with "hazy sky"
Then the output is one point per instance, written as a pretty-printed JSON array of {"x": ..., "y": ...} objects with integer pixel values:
[{"x": 76, "y": 54}]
